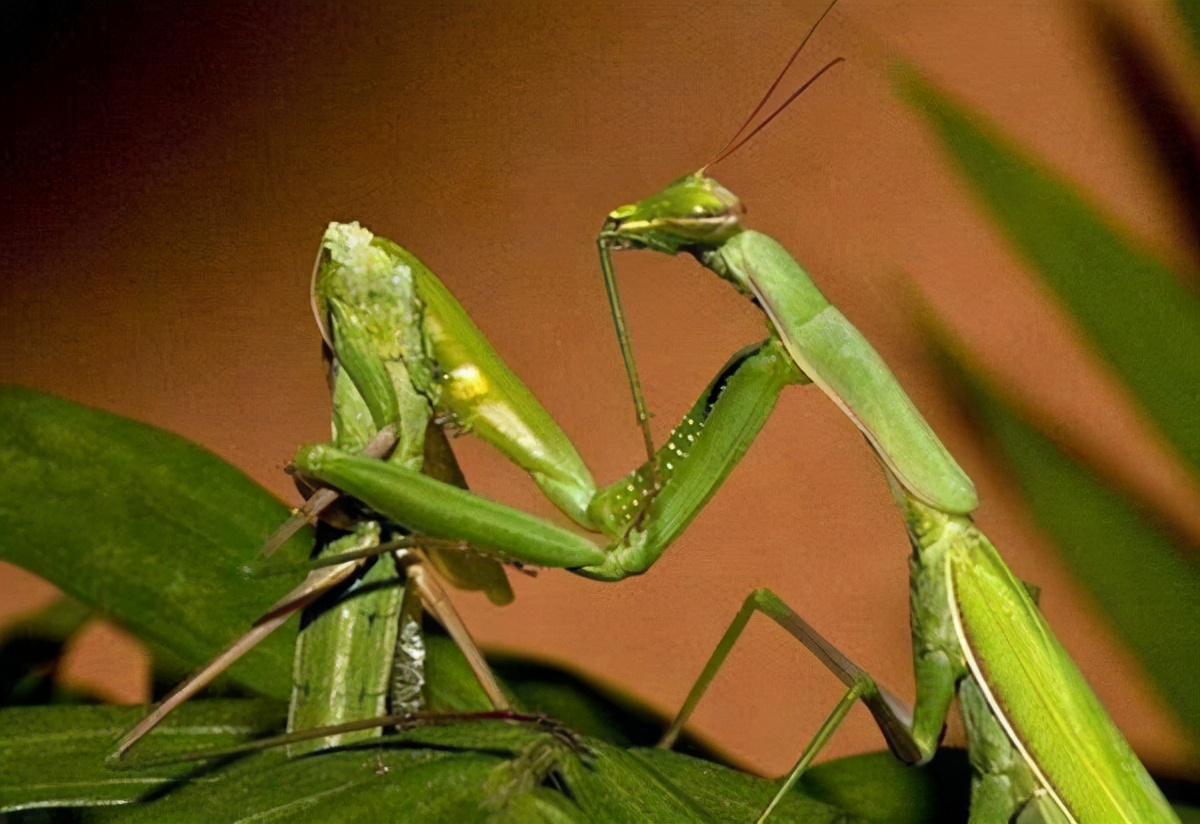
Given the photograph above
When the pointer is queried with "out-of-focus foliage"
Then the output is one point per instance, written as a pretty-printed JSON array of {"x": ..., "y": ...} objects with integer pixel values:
[
  {"x": 1140, "y": 318},
  {"x": 1189, "y": 14}
]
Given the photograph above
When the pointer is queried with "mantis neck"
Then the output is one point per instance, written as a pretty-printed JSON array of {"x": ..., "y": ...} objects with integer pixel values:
[{"x": 930, "y": 530}]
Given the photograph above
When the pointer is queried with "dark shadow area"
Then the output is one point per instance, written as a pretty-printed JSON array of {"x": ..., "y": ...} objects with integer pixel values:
[{"x": 1160, "y": 113}]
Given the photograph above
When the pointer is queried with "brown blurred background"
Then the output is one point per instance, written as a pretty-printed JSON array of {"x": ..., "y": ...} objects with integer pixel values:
[{"x": 168, "y": 170}]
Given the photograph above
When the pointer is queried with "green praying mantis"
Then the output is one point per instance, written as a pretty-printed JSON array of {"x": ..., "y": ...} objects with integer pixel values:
[
  {"x": 407, "y": 359},
  {"x": 1041, "y": 745}
]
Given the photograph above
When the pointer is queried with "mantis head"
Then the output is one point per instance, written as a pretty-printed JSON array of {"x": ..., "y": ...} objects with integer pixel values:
[
  {"x": 693, "y": 214},
  {"x": 693, "y": 211},
  {"x": 690, "y": 214}
]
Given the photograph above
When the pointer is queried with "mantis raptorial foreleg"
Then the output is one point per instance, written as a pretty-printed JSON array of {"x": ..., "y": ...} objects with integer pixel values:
[{"x": 699, "y": 454}]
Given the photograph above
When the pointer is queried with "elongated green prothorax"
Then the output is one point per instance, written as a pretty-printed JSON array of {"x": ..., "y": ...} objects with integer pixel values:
[{"x": 698, "y": 215}]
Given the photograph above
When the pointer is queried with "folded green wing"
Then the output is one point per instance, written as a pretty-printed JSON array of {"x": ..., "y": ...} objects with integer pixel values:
[{"x": 1041, "y": 699}]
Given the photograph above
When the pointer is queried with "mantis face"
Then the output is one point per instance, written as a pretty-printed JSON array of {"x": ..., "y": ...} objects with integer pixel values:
[
  {"x": 693, "y": 211},
  {"x": 691, "y": 214}
]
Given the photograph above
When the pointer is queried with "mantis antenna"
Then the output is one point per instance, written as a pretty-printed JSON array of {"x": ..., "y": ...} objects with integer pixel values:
[
  {"x": 734, "y": 143},
  {"x": 732, "y": 147},
  {"x": 610, "y": 284}
]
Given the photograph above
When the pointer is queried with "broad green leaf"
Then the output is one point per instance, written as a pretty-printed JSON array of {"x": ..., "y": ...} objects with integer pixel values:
[
  {"x": 144, "y": 526},
  {"x": 728, "y": 795},
  {"x": 607, "y": 783},
  {"x": 472, "y": 771},
  {"x": 369, "y": 784},
  {"x": 1133, "y": 309},
  {"x": 55, "y": 756},
  {"x": 879, "y": 787},
  {"x": 489, "y": 771},
  {"x": 1132, "y": 567}
]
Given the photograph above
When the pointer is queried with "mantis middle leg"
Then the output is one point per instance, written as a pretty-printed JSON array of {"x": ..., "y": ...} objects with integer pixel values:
[{"x": 1003, "y": 785}]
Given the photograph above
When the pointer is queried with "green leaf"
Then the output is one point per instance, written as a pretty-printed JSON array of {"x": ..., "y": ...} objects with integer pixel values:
[
  {"x": 473, "y": 771},
  {"x": 143, "y": 525},
  {"x": 728, "y": 795},
  {"x": 878, "y": 787},
  {"x": 55, "y": 756},
  {"x": 1189, "y": 14},
  {"x": 489, "y": 771},
  {"x": 478, "y": 771},
  {"x": 1134, "y": 310},
  {"x": 1128, "y": 562}
]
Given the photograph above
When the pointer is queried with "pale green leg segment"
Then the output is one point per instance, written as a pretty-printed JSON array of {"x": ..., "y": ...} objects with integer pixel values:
[
  {"x": 911, "y": 743},
  {"x": 434, "y": 508}
]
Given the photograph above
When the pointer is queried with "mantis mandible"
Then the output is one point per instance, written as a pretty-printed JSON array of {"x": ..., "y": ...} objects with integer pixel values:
[{"x": 1040, "y": 743}]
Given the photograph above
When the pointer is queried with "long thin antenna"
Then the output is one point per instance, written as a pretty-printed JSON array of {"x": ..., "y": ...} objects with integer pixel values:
[
  {"x": 727, "y": 152},
  {"x": 729, "y": 147}
]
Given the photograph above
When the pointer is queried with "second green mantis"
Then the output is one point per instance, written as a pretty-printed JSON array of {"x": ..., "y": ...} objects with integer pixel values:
[{"x": 1042, "y": 746}]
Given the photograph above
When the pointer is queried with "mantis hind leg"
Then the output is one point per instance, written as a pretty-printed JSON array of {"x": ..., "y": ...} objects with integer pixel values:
[
  {"x": 436, "y": 600},
  {"x": 894, "y": 718}
]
